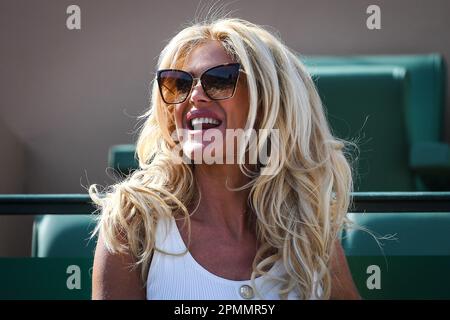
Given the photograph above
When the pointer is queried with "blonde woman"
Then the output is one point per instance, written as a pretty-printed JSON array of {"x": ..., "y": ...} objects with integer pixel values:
[{"x": 196, "y": 229}]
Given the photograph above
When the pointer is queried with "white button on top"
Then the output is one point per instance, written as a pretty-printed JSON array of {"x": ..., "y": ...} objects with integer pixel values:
[{"x": 246, "y": 292}]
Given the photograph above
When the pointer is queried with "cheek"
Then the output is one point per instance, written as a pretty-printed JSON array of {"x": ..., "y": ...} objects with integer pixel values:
[
  {"x": 238, "y": 112},
  {"x": 243, "y": 105},
  {"x": 245, "y": 110},
  {"x": 178, "y": 113}
]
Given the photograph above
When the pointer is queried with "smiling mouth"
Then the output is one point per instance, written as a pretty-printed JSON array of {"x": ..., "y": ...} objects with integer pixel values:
[{"x": 203, "y": 123}]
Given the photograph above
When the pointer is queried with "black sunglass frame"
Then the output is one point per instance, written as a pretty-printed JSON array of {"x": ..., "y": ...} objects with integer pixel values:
[{"x": 199, "y": 79}]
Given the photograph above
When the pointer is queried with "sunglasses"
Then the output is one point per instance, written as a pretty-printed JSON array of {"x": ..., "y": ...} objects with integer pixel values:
[{"x": 218, "y": 83}]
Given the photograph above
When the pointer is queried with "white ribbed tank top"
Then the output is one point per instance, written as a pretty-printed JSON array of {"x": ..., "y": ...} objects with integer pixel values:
[{"x": 183, "y": 278}]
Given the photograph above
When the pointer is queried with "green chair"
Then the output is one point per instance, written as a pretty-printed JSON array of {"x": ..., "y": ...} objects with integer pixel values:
[
  {"x": 366, "y": 104},
  {"x": 59, "y": 236},
  {"x": 413, "y": 261},
  {"x": 424, "y": 114},
  {"x": 122, "y": 158}
]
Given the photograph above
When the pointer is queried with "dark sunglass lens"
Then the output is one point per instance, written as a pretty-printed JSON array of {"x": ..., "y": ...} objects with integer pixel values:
[
  {"x": 220, "y": 82},
  {"x": 174, "y": 85}
]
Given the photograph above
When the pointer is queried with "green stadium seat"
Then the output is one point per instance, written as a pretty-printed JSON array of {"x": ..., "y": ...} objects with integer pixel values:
[
  {"x": 366, "y": 104},
  {"x": 424, "y": 113},
  {"x": 121, "y": 157},
  {"x": 413, "y": 261},
  {"x": 56, "y": 236}
]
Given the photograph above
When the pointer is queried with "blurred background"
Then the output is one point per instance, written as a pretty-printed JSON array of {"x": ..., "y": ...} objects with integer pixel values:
[{"x": 67, "y": 96}]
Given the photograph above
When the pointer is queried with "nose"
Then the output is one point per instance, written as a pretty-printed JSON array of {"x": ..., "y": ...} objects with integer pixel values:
[{"x": 198, "y": 95}]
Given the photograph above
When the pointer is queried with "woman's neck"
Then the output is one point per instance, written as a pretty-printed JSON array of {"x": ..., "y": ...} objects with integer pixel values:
[{"x": 220, "y": 206}]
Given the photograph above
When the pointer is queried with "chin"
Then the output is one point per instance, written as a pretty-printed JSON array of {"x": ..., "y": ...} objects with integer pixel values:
[{"x": 204, "y": 152}]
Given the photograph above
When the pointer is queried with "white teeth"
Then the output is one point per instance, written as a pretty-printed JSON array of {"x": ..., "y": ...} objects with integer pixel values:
[{"x": 198, "y": 121}]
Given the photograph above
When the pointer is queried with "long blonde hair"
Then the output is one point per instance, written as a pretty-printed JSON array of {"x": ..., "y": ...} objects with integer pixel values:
[{"x": 299, "y": 211}]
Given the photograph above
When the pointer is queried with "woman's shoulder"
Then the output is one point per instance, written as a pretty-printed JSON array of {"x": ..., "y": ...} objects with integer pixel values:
[{"x": 112, "y": 276}]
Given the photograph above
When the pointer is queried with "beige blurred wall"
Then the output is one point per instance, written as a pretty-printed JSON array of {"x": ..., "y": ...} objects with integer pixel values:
[
  {"x": 69, "y": 95},
  {"x": 15, "y": 231},
  {"x": 12, "y": 161}
]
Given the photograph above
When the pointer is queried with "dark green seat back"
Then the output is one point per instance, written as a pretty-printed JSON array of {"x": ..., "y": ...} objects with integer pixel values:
[
  {"x": 413, "y": 259},
  {"x": 58, "y": 236},
  {"x": 425, "y": 111},
  {"x": 366, "y": 104},
  {"x": 122, "y": 158},
  {"x": 427, "y": 95}
]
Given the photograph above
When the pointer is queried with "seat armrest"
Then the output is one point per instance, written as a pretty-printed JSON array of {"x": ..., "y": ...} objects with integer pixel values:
[{"x": 431, "y": 162}]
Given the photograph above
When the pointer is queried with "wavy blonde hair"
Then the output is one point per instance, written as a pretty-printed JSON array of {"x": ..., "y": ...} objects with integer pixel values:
[{"x": 299, "y": 211}]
